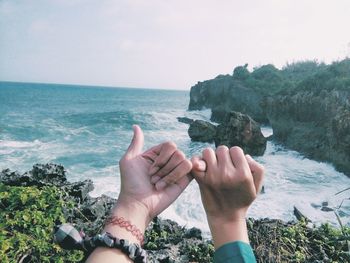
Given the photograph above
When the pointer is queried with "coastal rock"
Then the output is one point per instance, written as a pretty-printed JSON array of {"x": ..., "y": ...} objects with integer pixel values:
[
  {"x": 49, "y": 174},
  {"x": 40, "y": 175},
  {"x": 299, "y": 215},
  {"x": 238, "y": 129},
  {"x": 202, "y": 131},
  {"x": 14, "y": 178},
  {"x": 315, "y": 123},
  {"x": 80, "y": 189},
  {"x": 185, "y": 120},
  {"x": 225, "y": 94}
]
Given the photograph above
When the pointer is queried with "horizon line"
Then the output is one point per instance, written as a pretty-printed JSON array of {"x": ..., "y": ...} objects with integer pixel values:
[{"x": 92, "y": 86}]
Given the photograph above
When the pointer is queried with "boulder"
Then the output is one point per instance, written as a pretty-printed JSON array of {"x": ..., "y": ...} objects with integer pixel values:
[
  {"x": 238, "y": 129},
  {"x": 185, "y": 120},
  {"x": 202, "y": 131}
]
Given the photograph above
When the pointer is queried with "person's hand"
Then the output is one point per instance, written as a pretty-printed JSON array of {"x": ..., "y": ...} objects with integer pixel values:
[
  {"x": 229, "y": 182},
  {"x": 139, "y": 199}
]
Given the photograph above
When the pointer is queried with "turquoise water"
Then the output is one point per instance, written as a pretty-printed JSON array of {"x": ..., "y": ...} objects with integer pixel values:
[{"x": 87, "y": 129}]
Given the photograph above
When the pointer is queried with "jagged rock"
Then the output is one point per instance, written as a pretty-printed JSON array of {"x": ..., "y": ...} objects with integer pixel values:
[
  {"x": 218, "y": 114},
  {"x": 185, "y": 120},
  {"x": 40, "y": 175},
  {"x": 299, "y": 215},
  {"x": 49, "y": 174},
  {"x": 97, "y": 208},
  {"x": 238, "y": 129},
  {"x": 315, "y": 123},
  {"x": 14, "y": 178},
  {"x": 227, "y": 94},
  {"x": 202, "y": 131},
  {"x": 80, "y": 189}
]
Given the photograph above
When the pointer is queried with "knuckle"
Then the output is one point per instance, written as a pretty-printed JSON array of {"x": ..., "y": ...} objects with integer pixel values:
[
  {"x": 170, "y": 144},
  {"x": 179, "y": 154},
  {"x": 222, "y": 148},
  {"x": 207, "y": 151},
  {"x": 236, "y": 149}
]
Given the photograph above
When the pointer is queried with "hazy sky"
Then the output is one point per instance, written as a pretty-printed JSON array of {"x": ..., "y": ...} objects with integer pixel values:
[{"x": 163, "y": 43}]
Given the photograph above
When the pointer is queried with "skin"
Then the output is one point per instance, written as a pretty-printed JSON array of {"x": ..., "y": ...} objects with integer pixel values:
[
  {"x": 229, "y": 182},
  {"x": 140, "y": 200}
]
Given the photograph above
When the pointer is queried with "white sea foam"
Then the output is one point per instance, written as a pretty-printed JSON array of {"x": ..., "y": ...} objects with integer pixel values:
[{"x": 18, "y": 144}]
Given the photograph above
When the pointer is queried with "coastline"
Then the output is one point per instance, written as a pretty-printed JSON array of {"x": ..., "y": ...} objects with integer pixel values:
[{"x": 22, "y": 199}]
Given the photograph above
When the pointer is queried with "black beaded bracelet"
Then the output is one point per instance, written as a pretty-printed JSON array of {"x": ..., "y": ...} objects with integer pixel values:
[{"x": 68, "y": 237}]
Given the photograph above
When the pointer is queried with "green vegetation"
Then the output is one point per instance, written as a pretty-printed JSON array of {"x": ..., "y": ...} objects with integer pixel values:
[
  {"x": 28, "y": 216},
  {"x": 304, "y": 75},
  {"x": 200, "y": 252},
  {"x": 275, "y": 241}
]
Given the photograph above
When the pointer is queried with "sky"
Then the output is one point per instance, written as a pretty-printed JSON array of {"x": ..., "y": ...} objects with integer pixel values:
[{"x": 167, "y": 44}]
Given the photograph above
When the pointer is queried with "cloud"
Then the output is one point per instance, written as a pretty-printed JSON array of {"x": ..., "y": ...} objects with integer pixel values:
[
  {"x": 159, "y": 43},
  {"x": 40, "y": 26}
]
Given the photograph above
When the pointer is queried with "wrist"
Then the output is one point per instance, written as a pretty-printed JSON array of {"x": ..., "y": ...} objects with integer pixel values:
[
  {"x": 134, "y": 217},
  {"x": 225, "y": 231}
]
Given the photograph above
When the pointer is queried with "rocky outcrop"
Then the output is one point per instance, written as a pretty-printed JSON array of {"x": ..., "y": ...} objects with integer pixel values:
[
  {"x": 315, "y": 123},
  {"x": 166, "y": 241},
  {"x": 185, "y": 120},
  {"x": 202, "y": 131},
  {"x": 226, "y": 94},
  {"x": 236, "y": 129}
]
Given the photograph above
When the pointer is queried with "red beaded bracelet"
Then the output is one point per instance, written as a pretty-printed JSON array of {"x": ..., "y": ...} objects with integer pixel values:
[{"x": 120, "y": 221}]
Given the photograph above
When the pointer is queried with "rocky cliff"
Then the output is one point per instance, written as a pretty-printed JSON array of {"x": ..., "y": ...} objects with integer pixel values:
[
  {"x": 225, "y": 93},
  {"x": 315, "y": 123},
  {"x": 306, "y": 103}
]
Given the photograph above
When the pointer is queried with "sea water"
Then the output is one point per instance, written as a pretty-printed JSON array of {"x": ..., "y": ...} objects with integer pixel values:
[{"x": 87, "y": 129}]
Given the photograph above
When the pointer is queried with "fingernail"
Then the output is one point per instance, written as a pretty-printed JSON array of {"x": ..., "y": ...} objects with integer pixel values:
[
  {"x": 202, "y": 166},
  {"x": 155, "y": 179},
  {"x": 160, "y": 185}
]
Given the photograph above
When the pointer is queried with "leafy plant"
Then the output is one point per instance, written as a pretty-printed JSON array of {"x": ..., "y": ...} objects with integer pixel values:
[{"x": 28, "y": 216}]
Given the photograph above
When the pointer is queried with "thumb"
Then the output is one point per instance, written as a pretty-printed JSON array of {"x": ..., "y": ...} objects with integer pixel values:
[{"x": 136, "y": 144}]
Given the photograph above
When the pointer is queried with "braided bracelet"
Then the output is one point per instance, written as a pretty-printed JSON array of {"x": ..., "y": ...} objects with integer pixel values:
[
  {"x": 120, "y": 221},
  {"x": 68, "y": 237}
]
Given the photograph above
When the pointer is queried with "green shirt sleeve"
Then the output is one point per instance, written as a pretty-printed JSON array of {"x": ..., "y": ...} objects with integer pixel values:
[{"x": 237, "y": 251}]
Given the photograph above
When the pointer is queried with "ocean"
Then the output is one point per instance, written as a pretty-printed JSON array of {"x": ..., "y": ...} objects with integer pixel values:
[{"x": 87, "y": 129}]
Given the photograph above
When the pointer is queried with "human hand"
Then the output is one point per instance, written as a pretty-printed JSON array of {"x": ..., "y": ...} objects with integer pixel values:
[
  {"x": 139, "y": 199},
  {"x": 229, "y": 182}
]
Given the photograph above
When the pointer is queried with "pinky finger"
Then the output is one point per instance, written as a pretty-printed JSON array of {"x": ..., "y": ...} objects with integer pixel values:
[
  {"x": 199, "y": 168},
  {"x": 257, "y": 171}
]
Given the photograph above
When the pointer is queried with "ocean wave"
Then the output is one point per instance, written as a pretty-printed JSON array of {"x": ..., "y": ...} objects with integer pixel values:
[{"x": 19, "y": 144}]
